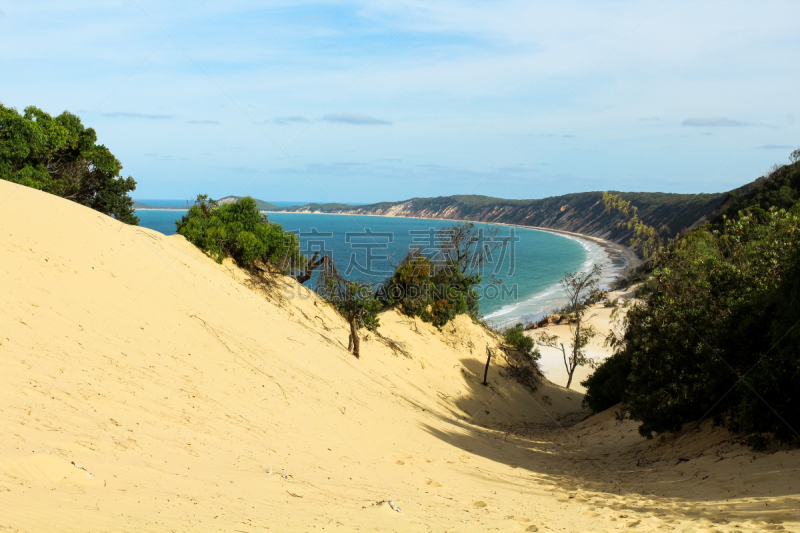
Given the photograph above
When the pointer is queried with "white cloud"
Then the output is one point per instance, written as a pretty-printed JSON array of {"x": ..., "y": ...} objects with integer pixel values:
[
  {"x": 146, "y": 116},
  {"x": 776, "y": 147},
  {"x": 289, "y": 120},
  {"x": 714, "y": 122},
  {"x": 354, "y": 118}
]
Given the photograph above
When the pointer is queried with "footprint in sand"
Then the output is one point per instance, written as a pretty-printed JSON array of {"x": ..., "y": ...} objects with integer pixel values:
[
  {"x": 432, "y": 483},
  {"x": 479, "y": 504},
  {"x": 400, "y": 462},
  {"x": 531, "y": 528}
]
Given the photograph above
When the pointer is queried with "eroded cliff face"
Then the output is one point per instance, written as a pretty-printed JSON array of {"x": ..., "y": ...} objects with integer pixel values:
[{"x": 581, "y": 213}]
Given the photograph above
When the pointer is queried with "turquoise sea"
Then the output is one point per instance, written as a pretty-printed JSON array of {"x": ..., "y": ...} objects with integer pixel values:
[{"x": 366, "y": 247}]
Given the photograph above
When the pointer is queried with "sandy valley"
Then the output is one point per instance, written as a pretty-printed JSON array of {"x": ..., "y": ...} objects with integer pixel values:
[{"x": 147, "y": 388}]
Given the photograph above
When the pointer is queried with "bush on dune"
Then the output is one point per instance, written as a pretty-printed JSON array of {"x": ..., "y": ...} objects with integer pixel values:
[
  {"x": 522, "y": 357},
  {"x": 239, "y": 230},
  {"x": 435, "y": 294},
  {"x": 439, "y": 286}
]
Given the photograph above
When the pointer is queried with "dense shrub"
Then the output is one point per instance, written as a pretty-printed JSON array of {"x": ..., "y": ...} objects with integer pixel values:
[
  {"x": 60, "y": 156},
  {"x": 522, "y": 357},
  {"x": 441, "y": 283},
  {"x": 516, "y": 337},
  {"x": 435, "y": 293},
  {"x": 700, "y": 344},
  {"x": 606, "y": 386},
  {"x": 240, "y": 231},
  {"x": 781, "y": 190},
  {"x": 764, "y": 346}
]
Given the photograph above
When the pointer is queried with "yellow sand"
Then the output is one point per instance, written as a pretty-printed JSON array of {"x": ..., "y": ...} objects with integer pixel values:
[
  {"x": 146, "y": 388},
  {"x": 603, "y": 320}
]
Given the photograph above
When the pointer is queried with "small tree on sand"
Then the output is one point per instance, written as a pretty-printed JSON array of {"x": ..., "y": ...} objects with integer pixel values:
[
  {"x": 522, "y": 357},
  {"x": 579, "y": 287},
  {"x": 355, "y": 301}
]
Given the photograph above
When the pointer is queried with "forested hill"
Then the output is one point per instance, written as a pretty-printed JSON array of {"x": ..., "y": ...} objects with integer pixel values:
[{"x": 579, "y": 212}]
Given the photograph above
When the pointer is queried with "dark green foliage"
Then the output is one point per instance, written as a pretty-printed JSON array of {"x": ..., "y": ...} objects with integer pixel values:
[
  {"x": 355, "y": 299},
  {"x": 701, "y": 343},
  {"x": 764, "y": 345},
  {"x": 60, "y": 156},
  {"x": 522, "y": 357},
  {"x": 605, "y": 387},
  {"x": 239, "y": 230},
  {"x": 758, "y": 443},
  {"x": 444, "y": 286},
  {"x": 356, "y": 302},
  {"x": 516, "y": 337},
  {"x": 436, "y": 295},
  {"x": 780, "y": 190}
]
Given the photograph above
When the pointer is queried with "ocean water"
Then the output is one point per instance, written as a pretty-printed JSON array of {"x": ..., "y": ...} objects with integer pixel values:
[
  {"x": 367, "y": 247},
  {"x": 160, "y": 202}
]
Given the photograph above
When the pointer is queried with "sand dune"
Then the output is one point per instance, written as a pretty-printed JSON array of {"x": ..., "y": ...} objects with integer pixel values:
[{"x": 146, "y": 388}]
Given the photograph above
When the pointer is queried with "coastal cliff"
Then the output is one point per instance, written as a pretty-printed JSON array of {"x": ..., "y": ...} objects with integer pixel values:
[{"x": 580, "y": 213}]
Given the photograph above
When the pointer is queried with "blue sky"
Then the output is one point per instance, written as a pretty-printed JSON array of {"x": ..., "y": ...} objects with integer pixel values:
[{"x": 363, "y": 102}]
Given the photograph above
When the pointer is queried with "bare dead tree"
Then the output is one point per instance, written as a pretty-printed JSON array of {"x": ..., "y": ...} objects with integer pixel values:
[
  {"x": 312, "y": 265},
  {"x": 468, "y": 247},
  {"x": 488, "y": 359},
  {"x": 578, "y": 286}
]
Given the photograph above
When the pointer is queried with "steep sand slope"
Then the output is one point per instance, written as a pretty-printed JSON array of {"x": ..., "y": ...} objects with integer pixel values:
[{"x": 146, "y": 388}]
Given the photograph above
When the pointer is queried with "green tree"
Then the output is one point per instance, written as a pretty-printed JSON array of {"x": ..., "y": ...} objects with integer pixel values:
[
  {"x": 445, "y": 285},
  {"x": 708, "y": 340},
  {"x": 239, "y": 230},
  {"x": 645, "y": 239},
  {"x": 355, "y": 301},
  {"x": 60, "y": 156},
  {"x": 522, "y": 356}
]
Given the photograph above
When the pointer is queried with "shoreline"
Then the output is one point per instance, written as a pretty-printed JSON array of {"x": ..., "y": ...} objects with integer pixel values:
[
  {"x": 616, "y": 260},
  {"x": 617, "y": 255},
  {"x": 161, "y": 209}
]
